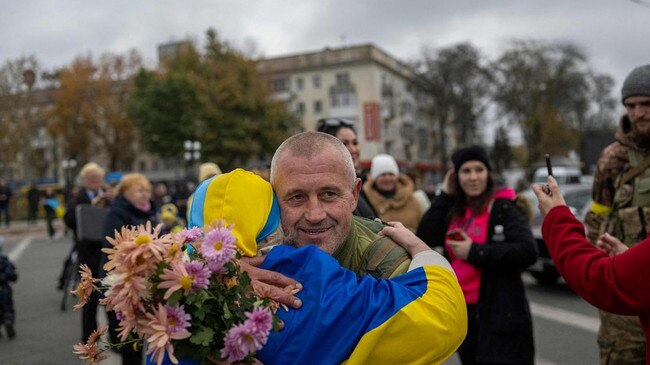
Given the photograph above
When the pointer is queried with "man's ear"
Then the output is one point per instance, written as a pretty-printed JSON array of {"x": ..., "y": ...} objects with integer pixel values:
[{"x": 356, "y": 191}]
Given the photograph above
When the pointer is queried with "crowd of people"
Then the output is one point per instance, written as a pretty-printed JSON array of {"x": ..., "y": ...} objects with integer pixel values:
[{"x": 378, "y": 228}]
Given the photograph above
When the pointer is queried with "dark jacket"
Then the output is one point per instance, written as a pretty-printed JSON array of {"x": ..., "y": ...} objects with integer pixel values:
[
  {"x": 505, "y": 324},
  {"x": 7, "y": 271},
  {"x": 364, "y": 208},
  {"x": 123, "y": 213},
  {"x": 70, "y": 219}
]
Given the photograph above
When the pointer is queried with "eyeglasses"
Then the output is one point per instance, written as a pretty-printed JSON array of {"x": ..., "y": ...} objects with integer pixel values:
[{"x": 324, "y": 125}]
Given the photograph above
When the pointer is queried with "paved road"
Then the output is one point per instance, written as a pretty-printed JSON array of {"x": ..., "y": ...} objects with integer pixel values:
[
  {"x": 565, "y": 326},
  {"x": 45, "y": 334}
]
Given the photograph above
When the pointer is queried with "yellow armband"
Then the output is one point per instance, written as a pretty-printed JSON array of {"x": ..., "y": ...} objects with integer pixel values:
[{"x": 600, "y": 209}]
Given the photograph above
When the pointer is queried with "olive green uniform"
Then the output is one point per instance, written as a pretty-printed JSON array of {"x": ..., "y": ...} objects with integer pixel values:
[
  {"x": 622, "y": 208},
  {"x": 366, "y": 252}
]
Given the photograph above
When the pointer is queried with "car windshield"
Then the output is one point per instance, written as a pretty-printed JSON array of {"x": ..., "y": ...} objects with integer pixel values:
[{"x": 578, "y": 199}]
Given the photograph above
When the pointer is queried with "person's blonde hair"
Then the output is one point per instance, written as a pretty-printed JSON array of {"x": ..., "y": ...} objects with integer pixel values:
[
  {"x": 207, "y": 170},
  {"x": 91, "y": 167},
  {"x": 130, "y": 180}
]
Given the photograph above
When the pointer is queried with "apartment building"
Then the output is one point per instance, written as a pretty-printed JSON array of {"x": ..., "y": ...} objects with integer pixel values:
[{"x": 383, "y": 97}]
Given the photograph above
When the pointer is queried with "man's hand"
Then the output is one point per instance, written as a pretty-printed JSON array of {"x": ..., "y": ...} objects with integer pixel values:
[
  {"x": 270, "y": 284},
  {"x": 549, "y": 196},
  {"x": 610, "y": 244}
]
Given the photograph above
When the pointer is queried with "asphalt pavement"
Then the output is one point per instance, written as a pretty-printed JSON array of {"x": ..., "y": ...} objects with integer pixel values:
[{"x": 45, "y": 334}]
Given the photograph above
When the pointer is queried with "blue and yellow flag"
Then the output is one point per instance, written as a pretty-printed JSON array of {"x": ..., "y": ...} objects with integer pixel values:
[{"x": 416, "y": 318}]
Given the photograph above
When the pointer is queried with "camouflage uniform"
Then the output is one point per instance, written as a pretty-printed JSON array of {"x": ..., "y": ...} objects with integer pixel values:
[{"x": 624, "y": 213}]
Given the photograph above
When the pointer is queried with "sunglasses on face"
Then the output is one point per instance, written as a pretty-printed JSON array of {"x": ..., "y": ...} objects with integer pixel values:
[{"x": 325, "y": 125}]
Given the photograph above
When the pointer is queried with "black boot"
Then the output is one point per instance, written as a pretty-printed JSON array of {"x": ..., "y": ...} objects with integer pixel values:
[{"x": 11, "y": 331}]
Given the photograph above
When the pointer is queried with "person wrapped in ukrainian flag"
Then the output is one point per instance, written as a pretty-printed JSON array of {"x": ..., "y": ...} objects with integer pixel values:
[{"x": 416, "y": 318}]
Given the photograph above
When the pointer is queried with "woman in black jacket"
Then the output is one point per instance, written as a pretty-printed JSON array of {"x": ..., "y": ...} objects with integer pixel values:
[
  {"x": 489, "y": 243},
  {"x": 132, "y": 206}
]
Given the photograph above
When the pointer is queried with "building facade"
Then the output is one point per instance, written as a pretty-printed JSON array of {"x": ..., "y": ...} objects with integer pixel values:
[{"x": 382, "y": 96}]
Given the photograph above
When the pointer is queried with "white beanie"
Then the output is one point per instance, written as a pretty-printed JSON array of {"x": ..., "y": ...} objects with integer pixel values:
[{"x": 382, "y": 164}]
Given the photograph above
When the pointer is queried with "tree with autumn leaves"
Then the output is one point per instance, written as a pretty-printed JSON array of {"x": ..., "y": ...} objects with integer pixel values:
[
  {"x": 89, "y": 116},
  {"x": 215, "y": 97},
  {"x": 116, "y": 107}
]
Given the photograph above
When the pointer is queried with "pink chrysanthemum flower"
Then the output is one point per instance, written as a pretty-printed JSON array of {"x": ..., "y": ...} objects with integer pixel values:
[
  {"x": 137, "y": 253},
  {"x": 177, "y": 319},
  {"x": 261, "y": 320},
  {"x": 176, "y": 278},
  {"x": 90, "y": 352},
  {"x": 240, "y": 341},
  {"x": 216, "y": 266},
  {"x": 191, "y": 235},
  {"x": 199, "y": 273},
  {"x": 85, "y": 287},
  {"x": 160, "y": 332},
  {"x": 218, "y": 245},
  {"x": 174, "y": 252}
]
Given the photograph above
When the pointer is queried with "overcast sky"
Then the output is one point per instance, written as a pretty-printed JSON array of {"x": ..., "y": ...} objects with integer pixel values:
[{"x": 615, "y": 34}]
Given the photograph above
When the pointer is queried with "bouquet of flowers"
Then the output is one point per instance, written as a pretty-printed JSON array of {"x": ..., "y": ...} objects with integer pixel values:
[{"x": 182, "y": 294}]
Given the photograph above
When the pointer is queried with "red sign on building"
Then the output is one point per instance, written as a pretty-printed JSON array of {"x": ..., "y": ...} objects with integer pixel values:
[{"x": 372, "y": 121}]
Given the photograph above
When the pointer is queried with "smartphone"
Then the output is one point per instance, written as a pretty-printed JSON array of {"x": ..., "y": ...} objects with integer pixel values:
[
  {"x": 549, "y": 167},
  {"x": 455, "y": 235}
]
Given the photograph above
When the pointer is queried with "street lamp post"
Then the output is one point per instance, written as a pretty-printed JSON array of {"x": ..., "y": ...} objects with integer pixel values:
[
  {"x": 191, "y": 155},
  {"x": 68, "y": 166}
]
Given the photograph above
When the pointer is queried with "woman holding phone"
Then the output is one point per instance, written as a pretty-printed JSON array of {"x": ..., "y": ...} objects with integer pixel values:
[{"x": 489, "y": 243}]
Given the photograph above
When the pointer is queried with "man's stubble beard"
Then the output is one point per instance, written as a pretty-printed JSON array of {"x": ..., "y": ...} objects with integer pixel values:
[
  {"x": 290, "y": 239},
  {"x": 642, "y": 139}
]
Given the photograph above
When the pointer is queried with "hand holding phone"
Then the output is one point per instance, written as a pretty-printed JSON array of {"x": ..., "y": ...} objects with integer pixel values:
[
  {"x": 455, "y": 235},
  {"x": 549, "y": 169}
]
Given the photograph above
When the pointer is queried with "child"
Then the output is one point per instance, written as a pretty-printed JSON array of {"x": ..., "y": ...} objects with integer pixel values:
[
  {"x": 168, "y": 216},
  {"x": 7, "y": 274}
]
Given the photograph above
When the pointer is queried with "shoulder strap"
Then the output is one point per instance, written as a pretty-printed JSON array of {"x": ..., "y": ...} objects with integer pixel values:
[
  {"x": 383, "y": 257},
  {"x": 635, "y": 171}
]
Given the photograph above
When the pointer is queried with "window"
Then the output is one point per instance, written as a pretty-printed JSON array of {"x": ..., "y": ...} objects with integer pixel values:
[
  {"x": 315, "y": 81},
  {"x": 343, "y": 99},
  {"x": 300, "y": 108},
  {"x": 300, "y": 84},
  {"x": 279, "y": 85},
  {"x": 318, "y": 106},
  {"x": 343, "y": 78}
]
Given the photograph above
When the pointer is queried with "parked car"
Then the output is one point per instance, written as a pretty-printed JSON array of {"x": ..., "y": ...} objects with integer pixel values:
[
  {"x": 562, "y": 174},
  {"x": 578, "y": 198}
]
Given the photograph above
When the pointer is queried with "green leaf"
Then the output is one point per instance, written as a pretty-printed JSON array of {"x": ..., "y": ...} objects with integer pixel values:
[
  {"x": 175, "y": 297},
  {"x": 226, "y": 311},
  {"x": 203, "y": 336}
]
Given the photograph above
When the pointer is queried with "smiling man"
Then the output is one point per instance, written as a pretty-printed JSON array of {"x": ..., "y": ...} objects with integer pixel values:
[
  {"x": 313, "y": 176},
  {"x": 621, "y": 195}
]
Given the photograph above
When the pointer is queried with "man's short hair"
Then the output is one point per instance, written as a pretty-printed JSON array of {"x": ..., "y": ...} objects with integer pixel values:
[
  {"x": 310, "y": 144},
  {"x": 89, "y": 168}
]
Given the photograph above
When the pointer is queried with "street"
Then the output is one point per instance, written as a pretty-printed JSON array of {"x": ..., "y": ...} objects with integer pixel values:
[{"x": 565, "y": 325}]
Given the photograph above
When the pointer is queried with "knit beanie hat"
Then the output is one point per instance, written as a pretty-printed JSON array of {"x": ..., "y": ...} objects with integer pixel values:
[
  {"x": 473, "y": 153},
  {"x": 242, "y": 199},
  {"x": 637, "y": 83},
  {"x": 382, "y": 164}
]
